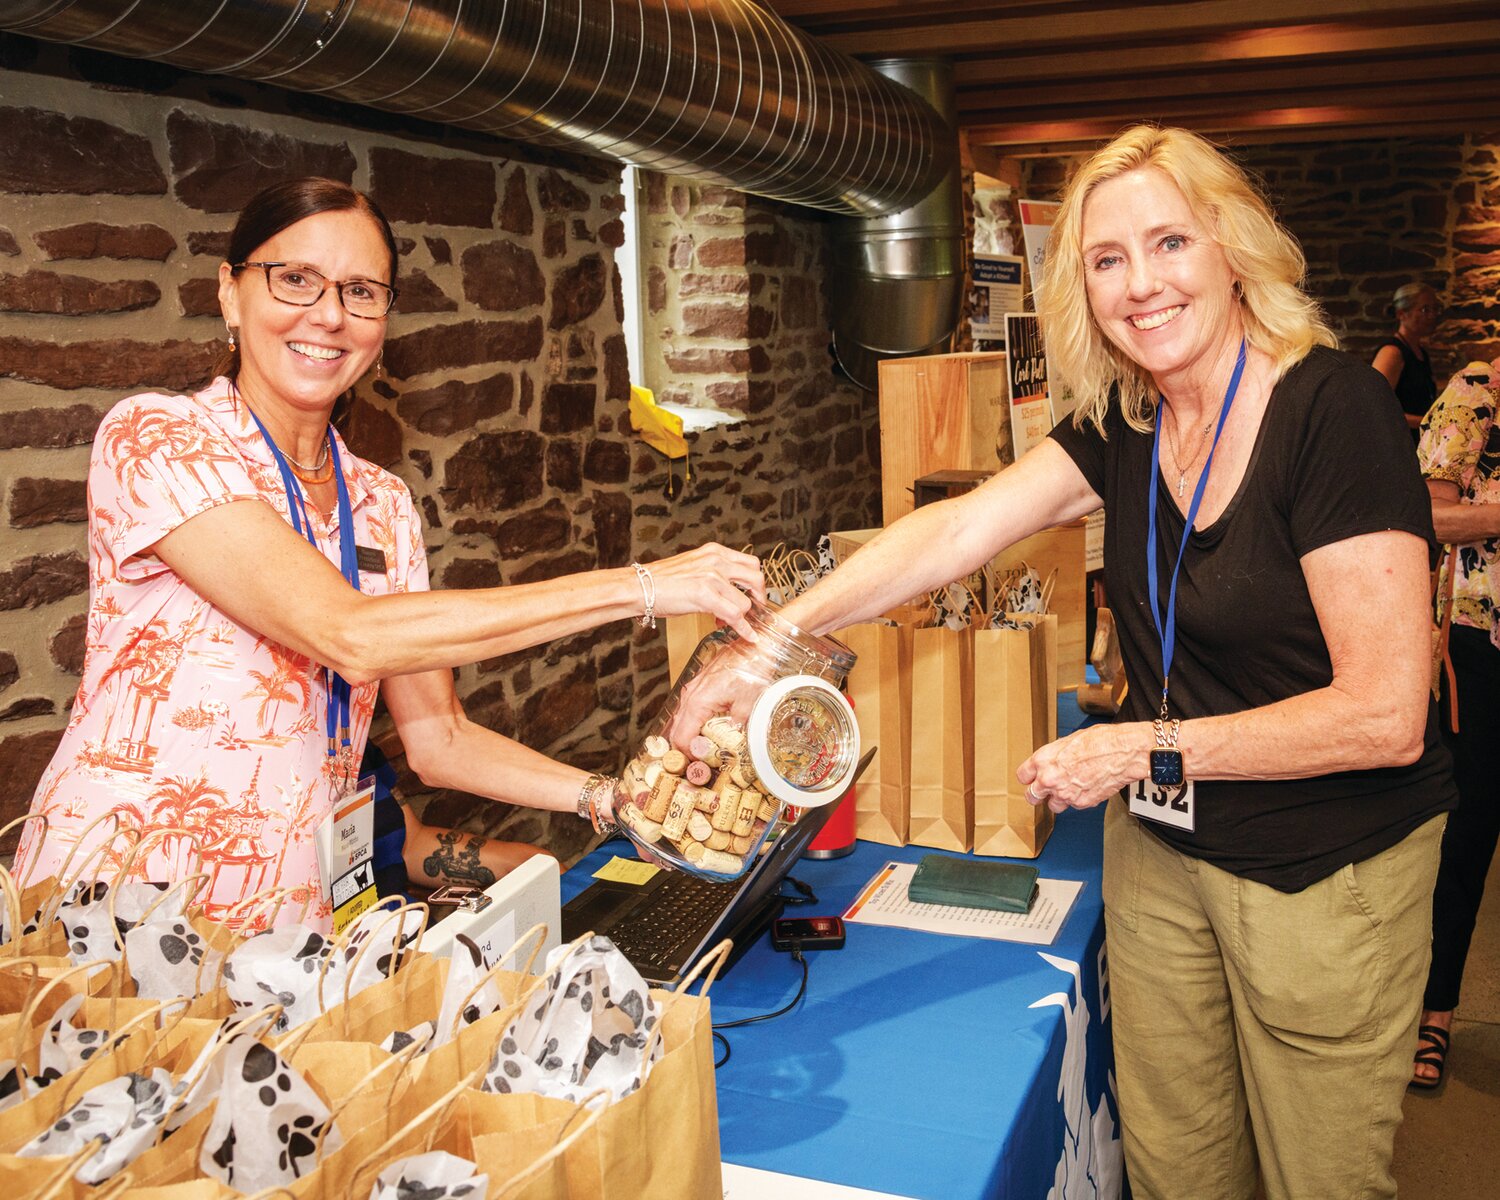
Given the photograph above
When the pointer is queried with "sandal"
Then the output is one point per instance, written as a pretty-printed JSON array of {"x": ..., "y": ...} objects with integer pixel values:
[{"x": 1432, "y": 1051}]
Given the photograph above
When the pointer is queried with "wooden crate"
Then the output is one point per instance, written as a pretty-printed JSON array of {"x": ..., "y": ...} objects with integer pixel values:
[{"x": 939, "y": 412}]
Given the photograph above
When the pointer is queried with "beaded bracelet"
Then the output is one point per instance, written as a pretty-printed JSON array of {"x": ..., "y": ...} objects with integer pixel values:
[
  {"x": 648, "y": 593},
  {"x": 588, "y": 802}
]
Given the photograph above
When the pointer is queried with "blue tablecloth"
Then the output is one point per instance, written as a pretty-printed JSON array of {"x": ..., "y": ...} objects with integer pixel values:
[{"x": 927, "y": 1066}]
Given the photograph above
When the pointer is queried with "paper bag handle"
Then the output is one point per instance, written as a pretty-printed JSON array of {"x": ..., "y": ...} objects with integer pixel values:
[
  {"x": 22, "y": 820},
  {"x": 565, "y": 1140},
  {"x": 540, "y": 929},
  {"x": 402, "y": 1057},
  {"x": 433, "y": 1116},
  {"x": 398, "y": 952},
  {"x": 47, "y": 913}
]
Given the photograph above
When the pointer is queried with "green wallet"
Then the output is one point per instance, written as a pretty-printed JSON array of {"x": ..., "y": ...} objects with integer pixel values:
[{"x": 964, "y": 883}]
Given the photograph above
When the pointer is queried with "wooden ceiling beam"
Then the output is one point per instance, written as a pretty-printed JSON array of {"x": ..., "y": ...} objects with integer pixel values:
[
  {"x": 1114, "y": 22},
  {"x": 1480, "y": 64},
  {"x": 1307, "y": 44}
]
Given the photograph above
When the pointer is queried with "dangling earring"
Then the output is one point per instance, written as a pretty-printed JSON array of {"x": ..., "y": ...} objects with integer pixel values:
[
  {"x": 228, "y": 328},
  {"x": 380, "y": 366}
]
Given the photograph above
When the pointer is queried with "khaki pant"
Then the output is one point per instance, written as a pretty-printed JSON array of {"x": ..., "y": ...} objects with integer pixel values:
[{"x": 1254, "y": 1027}]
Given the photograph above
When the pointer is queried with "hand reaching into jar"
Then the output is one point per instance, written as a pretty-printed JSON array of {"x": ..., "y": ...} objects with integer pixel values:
[{"x": 711, "y": 579}]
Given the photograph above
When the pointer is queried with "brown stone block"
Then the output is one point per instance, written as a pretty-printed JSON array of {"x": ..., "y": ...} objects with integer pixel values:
[
  {"x": 515, "y": 208},
  {"x": 613, "y": 518},
  {"x": 456, "y": 406},
  {"x": 720, "y": 362},
  {"x": 554, "y": 239},
  {"x": 743, "y": 395},
  {"x": 616, "y": 369},
  {"x": 577, "y": 292},
  {"x": 199, "y": 298},
  {"x": 74, "y": 295},
  {"x": 617, "y": 659},
  {"x": 568, "y": 407},
  {"x": 8, "y": 243},
  {"x": 93, "y": 239},
  {"x": 728, "y": 283},
  {"x": 418, "y": 293},
  {"x": 558, "y": 195},
  {"x": 564, "y": 465},
  {"x": 107, "y": 364},
  {"x": 463, "y": 344},
  {"x": 49, "y": 428},
  {"x": 559, "y": 707},
  {"x": 372, "y": 433},
  {"x": 612, "y": 233},
  {"x": 720, "y": 252},
  {"x": 9, "y": 670},
  {"x": 606, "y": 461},
  {"x": 41, "y": 579},
  {"x": 582, "y": 232},
  {"x": 1478, "y": 214},
  {"x": 441, "y": 251},
  {"x": 209, "y": 241},
  {"x": 494, "y": 471},
  {"x": 46, "y": 152},
  {"x": 471, "y": 573},
  {"x": 1476, "y": 240},
  {"x": 656, "y": 289},
  {"x": 25, "y": 756},
  {"x": 217, "y": 167},
  {"x": 430, "y": 512},
  {"x": 503, "y": 277},
  {"x": 69, "y": 644},
  {"x": 432, "y": 191},
  {"x": 799, "y": 302},
  {"x": 27, "y": 706},
  {"x": 36, "y": 502},
  {"x": 488, "y": 706},
  {"x": 572, "y": 563},
  {"x": 768, "y": 249}
]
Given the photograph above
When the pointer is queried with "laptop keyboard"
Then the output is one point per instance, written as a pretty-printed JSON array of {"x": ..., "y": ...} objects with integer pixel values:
[{"x": 681, "y": 910}]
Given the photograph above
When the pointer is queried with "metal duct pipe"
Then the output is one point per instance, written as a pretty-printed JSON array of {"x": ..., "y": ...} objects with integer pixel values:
[
  {"x": 717, "y": 89},
  {"x": 898, "y": 280}
]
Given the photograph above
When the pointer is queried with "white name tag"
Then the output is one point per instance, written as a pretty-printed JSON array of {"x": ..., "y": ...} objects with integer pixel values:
[{"x": 1171, "y": 805}]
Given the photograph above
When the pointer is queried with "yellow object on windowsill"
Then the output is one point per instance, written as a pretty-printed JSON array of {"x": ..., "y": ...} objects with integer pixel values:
[{"x": 659, "y": 429}]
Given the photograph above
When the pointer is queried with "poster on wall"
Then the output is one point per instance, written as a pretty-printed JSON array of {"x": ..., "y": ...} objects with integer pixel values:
[
  {"x": 1026, "y": 377},
  {"x": 1036, "y": 223},
  {"x": 997, "y": 291}
]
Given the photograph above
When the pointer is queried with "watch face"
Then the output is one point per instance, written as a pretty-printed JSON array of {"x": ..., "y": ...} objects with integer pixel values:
[{"x": 1166, "y": 767}]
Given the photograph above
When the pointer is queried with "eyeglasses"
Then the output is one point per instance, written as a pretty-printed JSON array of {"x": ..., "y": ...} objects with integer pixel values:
[{"x": 304, "y": 287}]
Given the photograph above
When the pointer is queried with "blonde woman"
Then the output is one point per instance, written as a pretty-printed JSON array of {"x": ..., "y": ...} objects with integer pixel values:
[{"x": 1267, "y": 883}]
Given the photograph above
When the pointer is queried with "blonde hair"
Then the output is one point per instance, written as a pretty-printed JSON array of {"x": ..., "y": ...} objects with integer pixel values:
[{"x": 1280, "y": 319}]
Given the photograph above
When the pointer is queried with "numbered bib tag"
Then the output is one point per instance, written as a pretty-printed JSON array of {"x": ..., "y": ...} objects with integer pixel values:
[
  {"x": 345, "y": 842},
  {"x": 1166, "y": 804}
]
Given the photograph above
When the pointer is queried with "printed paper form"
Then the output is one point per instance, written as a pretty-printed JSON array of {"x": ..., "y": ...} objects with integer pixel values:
[{"x": 884, "y": 902}]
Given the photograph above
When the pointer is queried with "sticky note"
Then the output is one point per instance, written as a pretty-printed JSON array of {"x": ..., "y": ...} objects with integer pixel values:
[{"x": 626, "y": 870}]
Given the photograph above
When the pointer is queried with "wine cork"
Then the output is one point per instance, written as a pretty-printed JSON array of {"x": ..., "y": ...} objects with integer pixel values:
[
  {"x": 674, "y": 824},
  {"x": 692, "y": 851},
  {"x": 741, "y": 845},
  {"x": 639, "y": 824},
  {"x": 720, "y": 863},
  {"x": 655, "y": 746},
  {"x": 661, "y": 797},
  {"x": 724, "y": 734},
  {"x": 729, "y": 799},
  {"x": 698, "y": 772},
  {"x": 700, "y": 746},
  {"x": 674, "y": 762},
  {"x": 743, "y": 774},
  {"x": 706, "y": 800},
  {"x": 718, "y": 840},
  {"x": 744, "y": 814},
  {"x": 651, "y": 773},
  {"x": 698, "y": 827},
  {"x": 767, "y": 810}
]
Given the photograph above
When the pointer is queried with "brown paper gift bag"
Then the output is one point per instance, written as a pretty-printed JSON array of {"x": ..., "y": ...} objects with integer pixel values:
[
  {"x": 1015, "y": 712},
  {"x": 942, "y": 739},
  {"x": 683, "y": 635},
  {"x": 880, "y": 688}
]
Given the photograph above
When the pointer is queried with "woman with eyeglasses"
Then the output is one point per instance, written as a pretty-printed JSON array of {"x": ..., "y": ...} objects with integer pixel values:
[
  {"x": 254, "y": 584},
  {"x": 1402, "y": 358}
]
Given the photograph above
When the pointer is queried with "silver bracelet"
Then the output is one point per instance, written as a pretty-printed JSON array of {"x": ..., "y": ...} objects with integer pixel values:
[{"x": 648, "y": 592}]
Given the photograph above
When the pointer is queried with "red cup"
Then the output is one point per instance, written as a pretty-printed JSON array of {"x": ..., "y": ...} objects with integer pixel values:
[{"x": 836, "y": 838}]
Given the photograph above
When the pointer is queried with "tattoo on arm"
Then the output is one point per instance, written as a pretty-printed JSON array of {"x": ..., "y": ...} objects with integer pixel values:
[{"x": 457, "y": 864}]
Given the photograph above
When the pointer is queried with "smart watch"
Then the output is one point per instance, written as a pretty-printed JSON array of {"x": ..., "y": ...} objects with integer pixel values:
[{"x": 1166, "y": 759}]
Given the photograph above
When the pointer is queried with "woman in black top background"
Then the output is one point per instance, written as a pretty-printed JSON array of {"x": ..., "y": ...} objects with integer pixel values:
[{"x": 1403, "y": 358}]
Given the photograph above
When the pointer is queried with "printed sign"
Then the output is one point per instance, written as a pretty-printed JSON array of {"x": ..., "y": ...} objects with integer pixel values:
[
  {"x": 1026, "y": 377},
  {"x": 1037, "y": 217},
  {"x": 997, "y": 291}
]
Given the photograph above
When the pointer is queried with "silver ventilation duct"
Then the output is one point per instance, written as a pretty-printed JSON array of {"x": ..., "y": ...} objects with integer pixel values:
[{"x": 714, "y": 89}]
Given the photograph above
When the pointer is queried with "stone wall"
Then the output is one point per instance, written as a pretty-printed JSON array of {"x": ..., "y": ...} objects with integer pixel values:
[
  {"x": 1372, "y": 215},
  {"x": 504, "y": 403}
]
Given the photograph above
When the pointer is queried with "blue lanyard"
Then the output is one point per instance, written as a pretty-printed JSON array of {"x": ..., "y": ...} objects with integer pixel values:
[
  {"x": 1167, "y": 629},
  {"x": 335, "y": 685}
]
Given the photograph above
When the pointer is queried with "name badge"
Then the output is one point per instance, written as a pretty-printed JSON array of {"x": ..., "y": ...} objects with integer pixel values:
[
  {"x": 1166, "y": 805},
  {"x": 345, "y": 844},
  {"x": 370, "y": 559}
]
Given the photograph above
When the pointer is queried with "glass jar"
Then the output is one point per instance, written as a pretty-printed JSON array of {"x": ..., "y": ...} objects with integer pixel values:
[{"x": 765, "y": 728}]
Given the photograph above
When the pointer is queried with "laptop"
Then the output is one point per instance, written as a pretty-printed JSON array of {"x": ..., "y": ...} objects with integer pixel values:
[{"x": 664, "y": 924}]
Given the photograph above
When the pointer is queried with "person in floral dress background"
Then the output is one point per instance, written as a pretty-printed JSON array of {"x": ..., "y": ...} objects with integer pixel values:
[
  {"x": 1460, "y": 456},
  {"x": 224, "y": 529}
]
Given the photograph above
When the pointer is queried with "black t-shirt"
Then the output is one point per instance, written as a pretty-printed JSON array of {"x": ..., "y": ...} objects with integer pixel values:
[{"x": 1323, "y": 469}]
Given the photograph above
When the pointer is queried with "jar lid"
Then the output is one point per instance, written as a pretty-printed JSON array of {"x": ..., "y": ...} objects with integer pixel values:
[{"x": 804, "y": 741}]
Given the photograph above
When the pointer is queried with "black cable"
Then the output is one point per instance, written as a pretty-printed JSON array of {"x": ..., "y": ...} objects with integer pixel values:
[
  {"x": 719, "y": 1062},
  {"x": 807, "y": 896},
  {"x": 780, "y": 1012}
]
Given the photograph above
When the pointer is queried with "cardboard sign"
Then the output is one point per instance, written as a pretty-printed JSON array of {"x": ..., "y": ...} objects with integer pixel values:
[{"x": 1026, "y": 380}]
